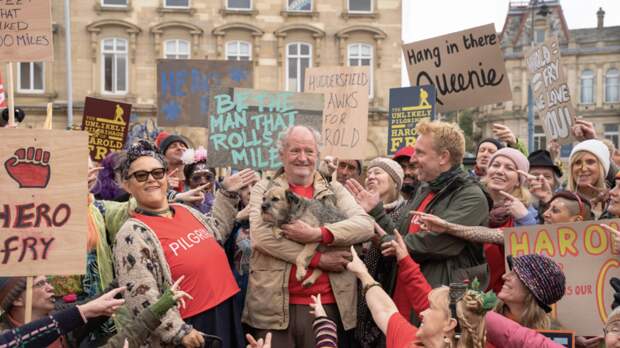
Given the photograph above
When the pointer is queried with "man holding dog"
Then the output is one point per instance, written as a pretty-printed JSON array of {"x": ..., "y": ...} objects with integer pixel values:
[{"x": 276, "y": 301}]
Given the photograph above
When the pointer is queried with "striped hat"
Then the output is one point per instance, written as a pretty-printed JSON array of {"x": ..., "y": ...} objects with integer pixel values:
[
  {"x": 10, "y": 289},
  {"x": 542, "y": 276}
]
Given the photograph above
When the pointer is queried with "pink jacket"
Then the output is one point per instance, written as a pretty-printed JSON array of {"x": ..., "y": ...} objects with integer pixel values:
[{"x": 503, "y": 332}]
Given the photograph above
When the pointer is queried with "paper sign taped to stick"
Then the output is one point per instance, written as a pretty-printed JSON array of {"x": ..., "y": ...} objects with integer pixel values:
[
  {"x": 345, "y": 115},
  {"x": 586, "y": 254},
  {"x": 26, "y": 31},
  {"x": 43, "y": 208},
  {"x": 408, "y": 106},
  {"x": 467, "y": 68},
  {"x": 550, "y": 90},
  {"x": 106, "y": 123},
  {"x": 243, "y": 132},
  {"x": 186, "y": 88}
]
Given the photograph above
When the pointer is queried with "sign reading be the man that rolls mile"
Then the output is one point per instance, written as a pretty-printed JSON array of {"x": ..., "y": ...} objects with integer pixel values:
[{"x": 26, "y": 31}]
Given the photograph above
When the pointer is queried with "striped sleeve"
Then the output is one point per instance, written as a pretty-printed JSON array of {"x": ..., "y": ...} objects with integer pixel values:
[{"x": 325, "y": 333}]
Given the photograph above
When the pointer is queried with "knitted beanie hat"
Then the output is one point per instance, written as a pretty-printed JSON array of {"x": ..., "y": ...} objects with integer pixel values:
[
  {"x": 169, "y": 140},
  {"x": 394, "y": 170},
  {"x": 595, "y": 147},
  {"x": 10, "y": 289},
  {"x": 542, "y": 276},
  {"x": 498, "y": 144},
  {"x": 515, "y": 156}
]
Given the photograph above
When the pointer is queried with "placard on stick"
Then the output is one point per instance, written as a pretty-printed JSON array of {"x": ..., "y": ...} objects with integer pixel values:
[
  {"x": 551, "y": 93},
  {"x": 26, "y": 31},
  {"x": 106, "y": 123},
  {"x": 408, "y": 106},
  {"x": 243, "y": 132},
  {"x": 586, "y": 254},
  {"x": 345, "y": 114},
  {"x": 186, "y": 88},
  {"x": 43, "y": 207},
  {"x": 466, "y": 67}
]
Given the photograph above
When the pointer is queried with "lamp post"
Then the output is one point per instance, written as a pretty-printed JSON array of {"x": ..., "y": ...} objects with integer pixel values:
[{"x": 544, "y": 11}]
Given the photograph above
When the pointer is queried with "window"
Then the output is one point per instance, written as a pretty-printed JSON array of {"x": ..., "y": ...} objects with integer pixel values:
[
  {"x": 363, "y": 6},
  {"x": 176, "y": 3},
  {"x": 31, "y": 77},
  {"x": 238, "y": 50},
  {"x": 299, "y": 5},
  {"x": 176, "y": 49},
  {"x": 539, "y": 35},
  {"x": 612, "y": 133},
  {"x": 587, "y": 87},
  {"x": 612, "y": 86},
  {"x": 114, "y": 65},
  {"x": 114, "y": 3},
  {"x": 360, "y": 54},
  {"x": 298, "y": 58},
  {"x": 239, "y": 4},
  {"x": 540, "y": 140}
]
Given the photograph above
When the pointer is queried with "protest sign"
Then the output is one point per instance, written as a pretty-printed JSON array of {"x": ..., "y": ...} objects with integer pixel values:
[
  {"x": 186, "y": 88},
  {"x": 345, "y": 114},
  {"x": 408, "y": 106},
  {"x": 106, "y": 123},
  {"x": 550, "y": 90},
  {"x": 243, "y": 130},
  {"x": 43, "y": 208},
  {"x": 26, "y": 31},
  {"x": 586, "y": 254},
  {"x": 466, "y": 67}
]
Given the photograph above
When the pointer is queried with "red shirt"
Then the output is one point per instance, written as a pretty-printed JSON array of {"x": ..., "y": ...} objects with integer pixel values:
[
  {"x": 494, "y": 253},
  {"x": 400, "y": 332},
  {"x": 297, "y": 293},
  {"x": 192, "y": 251}
]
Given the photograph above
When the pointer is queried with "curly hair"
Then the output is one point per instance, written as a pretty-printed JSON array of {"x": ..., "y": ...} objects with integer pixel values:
[
  {"x": 446, "y": 137},
  {"x": 141, "y": 148}
]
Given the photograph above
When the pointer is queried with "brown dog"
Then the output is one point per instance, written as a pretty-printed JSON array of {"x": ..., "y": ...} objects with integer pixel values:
[{"x": 281, "y": 206}]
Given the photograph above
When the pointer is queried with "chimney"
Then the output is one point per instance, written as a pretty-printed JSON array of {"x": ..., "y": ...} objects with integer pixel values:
[{"x": 600, "y": 14}]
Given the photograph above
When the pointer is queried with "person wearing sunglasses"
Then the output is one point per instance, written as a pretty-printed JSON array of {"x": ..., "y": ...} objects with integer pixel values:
[
  {"x": 162, "y": 241},
  {"x": 198, "y": 174}
]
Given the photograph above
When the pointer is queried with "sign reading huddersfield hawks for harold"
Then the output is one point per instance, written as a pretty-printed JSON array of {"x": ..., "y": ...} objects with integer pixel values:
[
  {"x": 42, "y": 206},
  {"x": 408, "y": 106},
  {"x": 106, "y": 123}
]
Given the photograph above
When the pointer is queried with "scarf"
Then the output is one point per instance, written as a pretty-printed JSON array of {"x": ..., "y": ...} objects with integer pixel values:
[
  {"x": 443, "y": 179},
  {"x": 499, "y": 216}
]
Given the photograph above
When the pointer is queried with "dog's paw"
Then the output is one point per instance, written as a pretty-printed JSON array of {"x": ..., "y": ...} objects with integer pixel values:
[
  {"x": 300, "y": 273},
  {"x": 308, "y": 283}
]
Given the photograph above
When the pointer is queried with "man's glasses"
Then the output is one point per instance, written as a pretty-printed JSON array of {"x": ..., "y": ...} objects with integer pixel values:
[
  {"x": 205, "y": 175},
  {"x": 143, "y": 175},
  {"x": 41, "y": 283}
]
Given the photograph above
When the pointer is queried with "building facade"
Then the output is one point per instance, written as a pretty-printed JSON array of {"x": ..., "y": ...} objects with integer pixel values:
[
  {"x": 116, "y": 44},
  {"x": 591, "y": 59}
]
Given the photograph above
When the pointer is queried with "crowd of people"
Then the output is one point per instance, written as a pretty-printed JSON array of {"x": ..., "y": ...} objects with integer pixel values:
[{"x": 179, "y": 256}]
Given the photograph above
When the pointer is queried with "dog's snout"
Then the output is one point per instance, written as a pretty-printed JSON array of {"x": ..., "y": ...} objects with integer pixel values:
[{"x": 264, "y": 206}]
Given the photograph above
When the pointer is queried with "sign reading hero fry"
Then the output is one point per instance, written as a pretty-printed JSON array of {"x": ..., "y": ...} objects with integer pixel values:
[
  {"x": 586, "y": 254},
  {"x": 43, "y": 202}
]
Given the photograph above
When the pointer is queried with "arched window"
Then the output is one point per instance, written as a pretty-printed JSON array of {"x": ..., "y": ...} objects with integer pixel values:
[
  {"x": 360, "y": 54},
  {"x": 114, "y": 65},
  {"x": 238, "y": 50},
  {"x": 298, "y": 58},
  {"x": 176, "y": 49},
  {"x": 612, "y": 86},
  {"x": 587, "y": 87}
]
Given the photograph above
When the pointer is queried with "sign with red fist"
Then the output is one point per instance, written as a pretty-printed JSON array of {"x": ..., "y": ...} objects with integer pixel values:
[{"x": 43, "y": 202}]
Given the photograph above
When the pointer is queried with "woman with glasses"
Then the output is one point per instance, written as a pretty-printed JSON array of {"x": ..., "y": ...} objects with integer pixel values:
[
  {"x": 162, "y": 241},
  {"x": 198, "y": 174}
]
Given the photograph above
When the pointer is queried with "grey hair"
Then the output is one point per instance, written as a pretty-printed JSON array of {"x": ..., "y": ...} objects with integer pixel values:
[{"x": 284, "y": 135}]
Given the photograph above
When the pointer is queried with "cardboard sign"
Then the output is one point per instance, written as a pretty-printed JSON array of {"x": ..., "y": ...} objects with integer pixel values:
[
  {"x": 345, "y": 114},
  {"x": 43, "y": 208},
  {"x": 551, "y": 93},
  {"x": 186, "y": 88},
  {"x": 243, "y": 132},
  {"x": 408, "y": 106},
  {"x": 587, "y": 256},
  {"x": 106, "y": 123},
  {"x": 26, "y": 31},
  {"x": 467, "y": 68}
]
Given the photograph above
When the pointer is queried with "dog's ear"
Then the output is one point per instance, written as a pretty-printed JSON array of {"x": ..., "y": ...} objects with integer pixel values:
[{"x": 291, "y": 197}]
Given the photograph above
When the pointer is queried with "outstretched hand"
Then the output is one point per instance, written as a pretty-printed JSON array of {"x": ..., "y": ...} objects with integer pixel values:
[
  {"x": 104, "y": 305},
  {"x": 366, "y": 199},
  {"x": 396, "y": 247},
  {"x": 504, "y": 134},
  {"x": 356, "y": 266},
  {"x": 195, "y": 195},
  {"x": 237, "y": 181},
  {"x": 430, "y": 222}
]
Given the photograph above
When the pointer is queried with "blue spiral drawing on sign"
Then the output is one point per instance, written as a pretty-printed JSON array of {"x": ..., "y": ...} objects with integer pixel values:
[{"x": 172, "y": 111}]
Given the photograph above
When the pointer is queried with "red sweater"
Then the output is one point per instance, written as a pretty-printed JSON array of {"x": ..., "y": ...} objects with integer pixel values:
[{"x": 494, "y": 253}]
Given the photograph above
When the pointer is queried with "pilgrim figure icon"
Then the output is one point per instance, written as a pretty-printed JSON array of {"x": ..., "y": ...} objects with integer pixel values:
[
  {"x": 424, "y": 98},
  {"x": 118, "y": 115}
]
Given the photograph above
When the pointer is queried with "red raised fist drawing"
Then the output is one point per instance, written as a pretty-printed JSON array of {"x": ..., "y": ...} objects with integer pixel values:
[{"x": 29, "y": 167}]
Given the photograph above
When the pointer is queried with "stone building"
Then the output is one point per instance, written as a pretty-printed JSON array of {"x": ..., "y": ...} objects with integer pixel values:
[
  {"x": 115, "y": 45},
  {"x": 591, "y": 58}
]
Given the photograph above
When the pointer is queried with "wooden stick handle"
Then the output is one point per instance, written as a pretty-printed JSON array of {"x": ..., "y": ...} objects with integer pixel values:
[{"x": 28, "y": 314}]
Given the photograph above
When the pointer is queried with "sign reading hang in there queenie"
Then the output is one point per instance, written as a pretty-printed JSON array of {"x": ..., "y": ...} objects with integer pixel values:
[
  {"x": 106, "y": 123},
  {"x": 467, "y": 68},
  {"x": 43, "y": 208},
  {"x": 586, "y": 254},
  {"x": 551, "y": 93},
  {"x": 26, "y": 31},
  {"x": 345, "y": 115},
  {"x": 243, "y": 132},
  {"x": 408, "y": 106},
  {"x": 186, "y": 89}
]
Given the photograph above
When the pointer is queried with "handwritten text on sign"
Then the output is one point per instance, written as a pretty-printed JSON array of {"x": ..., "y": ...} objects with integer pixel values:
[
  {"x": 551, "y": 94},
  {"x": 345, "y": 115},
  {"x": 26, "y": 30},
  {"x": 467, "y": 68},
  {"x": 106, "y": 123},
  {"x": 587, "y": 256},
  {"x": 243, "y": 131},
  {"x": 42, "y": 205}
]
